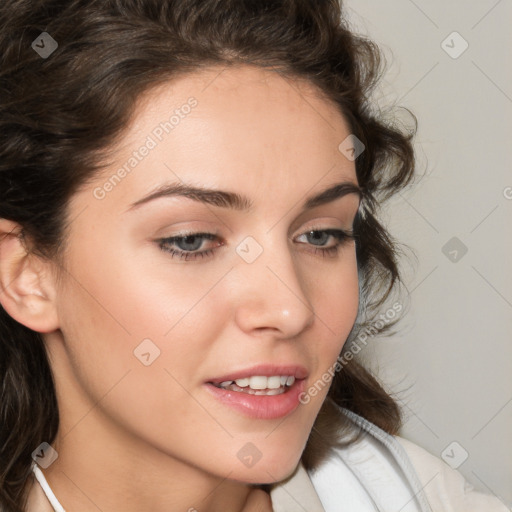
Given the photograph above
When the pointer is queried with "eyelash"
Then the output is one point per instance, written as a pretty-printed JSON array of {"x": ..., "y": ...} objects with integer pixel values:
[{"x": 341, "y": 236}]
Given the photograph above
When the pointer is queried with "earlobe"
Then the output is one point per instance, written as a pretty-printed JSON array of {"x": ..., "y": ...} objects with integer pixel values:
[{"x": 26, "y": 282}]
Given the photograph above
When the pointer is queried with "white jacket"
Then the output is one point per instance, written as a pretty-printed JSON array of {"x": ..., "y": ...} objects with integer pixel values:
[{"x": 379, "y": 473}]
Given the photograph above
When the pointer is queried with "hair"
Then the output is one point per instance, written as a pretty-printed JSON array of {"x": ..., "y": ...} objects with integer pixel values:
[{"x": 60, "y": 115}]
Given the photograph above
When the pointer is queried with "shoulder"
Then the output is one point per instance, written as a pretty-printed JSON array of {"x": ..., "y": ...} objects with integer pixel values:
[{"x": 445, "y": 487}]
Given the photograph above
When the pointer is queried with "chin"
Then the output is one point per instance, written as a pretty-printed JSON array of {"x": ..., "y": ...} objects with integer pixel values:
[{"x": 272, "y": 469}]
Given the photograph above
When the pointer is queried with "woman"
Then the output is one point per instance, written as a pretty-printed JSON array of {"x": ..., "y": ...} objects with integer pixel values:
[{"x": 189, "y": 250}]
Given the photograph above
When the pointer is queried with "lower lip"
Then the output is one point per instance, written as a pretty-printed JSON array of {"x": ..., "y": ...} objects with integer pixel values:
[{"x": 261, "y": 406}]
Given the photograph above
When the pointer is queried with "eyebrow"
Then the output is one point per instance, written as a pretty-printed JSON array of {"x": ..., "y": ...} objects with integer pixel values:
[{"x": 235, "y": 201}]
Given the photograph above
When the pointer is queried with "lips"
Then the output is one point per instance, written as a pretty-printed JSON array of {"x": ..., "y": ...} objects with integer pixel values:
[
  {"x": 268, "y": 404},
  {"x": 252, "y": 401},
  {"x": 266, "y": 370}
]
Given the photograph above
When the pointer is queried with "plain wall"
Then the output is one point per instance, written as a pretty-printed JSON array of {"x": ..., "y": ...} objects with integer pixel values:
[{"x": 451, "y": 361}]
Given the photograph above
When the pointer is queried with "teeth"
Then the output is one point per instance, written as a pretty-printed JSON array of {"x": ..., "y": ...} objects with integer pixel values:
[
  {"x": 258, "y": 382},
  {"x": 274, "y": 382},
  {"x": 261, "y": 382}
]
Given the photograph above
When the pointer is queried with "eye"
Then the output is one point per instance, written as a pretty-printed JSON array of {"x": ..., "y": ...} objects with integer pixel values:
[
  {"x": 187, "y": 245},
  {"x": 322, "y": 236}
]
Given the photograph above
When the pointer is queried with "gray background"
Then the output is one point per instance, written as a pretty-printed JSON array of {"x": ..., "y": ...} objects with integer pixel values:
[{"x": 451, "y": 362}]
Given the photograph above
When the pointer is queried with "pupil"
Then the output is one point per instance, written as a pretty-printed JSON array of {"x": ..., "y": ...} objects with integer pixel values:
[
  {"x": 189, "y": 240},
  {"x": 317, "y": 235}
]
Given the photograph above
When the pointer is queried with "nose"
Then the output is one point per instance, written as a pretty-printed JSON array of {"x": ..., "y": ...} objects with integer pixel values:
[{"x": 271, "y": 294}]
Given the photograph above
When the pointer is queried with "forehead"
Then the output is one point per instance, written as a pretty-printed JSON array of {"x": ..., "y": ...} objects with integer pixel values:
[
  {"x": 223, "y": 87},
  {"x": 241, "y": 127}
]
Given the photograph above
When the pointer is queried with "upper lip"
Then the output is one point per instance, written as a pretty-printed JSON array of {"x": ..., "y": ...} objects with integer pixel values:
[{"x": 267, "y": 370}]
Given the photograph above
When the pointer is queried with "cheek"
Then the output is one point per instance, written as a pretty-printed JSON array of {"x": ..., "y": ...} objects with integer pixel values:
[
  {"x": 122, "y": 316},
  {"x": 336, "y": 301},
  {"x": 117, "y": 318},
  {"x": 336, "y": 298},
  {"x": 104, "y": 319}
]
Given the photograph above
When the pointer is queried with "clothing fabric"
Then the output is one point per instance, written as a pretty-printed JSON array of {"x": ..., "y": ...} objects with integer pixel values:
[
  {"x": 378, "y": 473},
  {"x": 381, "y": 473}
]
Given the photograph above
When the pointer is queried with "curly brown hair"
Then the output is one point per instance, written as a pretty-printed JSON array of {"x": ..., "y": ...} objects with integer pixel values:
[{"x": 60, "y": 115}]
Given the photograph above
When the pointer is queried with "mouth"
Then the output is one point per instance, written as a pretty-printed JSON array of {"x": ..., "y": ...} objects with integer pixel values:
[
  {"x": 258, "y": 384},
  {"x": 264, "y": 391}
]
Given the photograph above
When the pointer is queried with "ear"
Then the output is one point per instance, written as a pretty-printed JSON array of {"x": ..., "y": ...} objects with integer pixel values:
[{"x": 27, "y": 290}]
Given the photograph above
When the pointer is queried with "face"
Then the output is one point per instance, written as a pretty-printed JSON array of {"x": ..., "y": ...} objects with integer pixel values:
[{"x": 164, "y": 299}]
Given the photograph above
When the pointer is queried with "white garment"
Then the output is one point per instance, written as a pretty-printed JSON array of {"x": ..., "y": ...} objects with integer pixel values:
[{"x": 379, "y": 473}]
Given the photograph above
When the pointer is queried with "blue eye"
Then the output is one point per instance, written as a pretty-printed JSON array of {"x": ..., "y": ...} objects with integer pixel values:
[{"x": 187, "y": 246}]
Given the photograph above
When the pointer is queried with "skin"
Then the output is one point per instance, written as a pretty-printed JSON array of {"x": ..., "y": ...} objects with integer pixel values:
[{"x": 135, "y": 437}]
